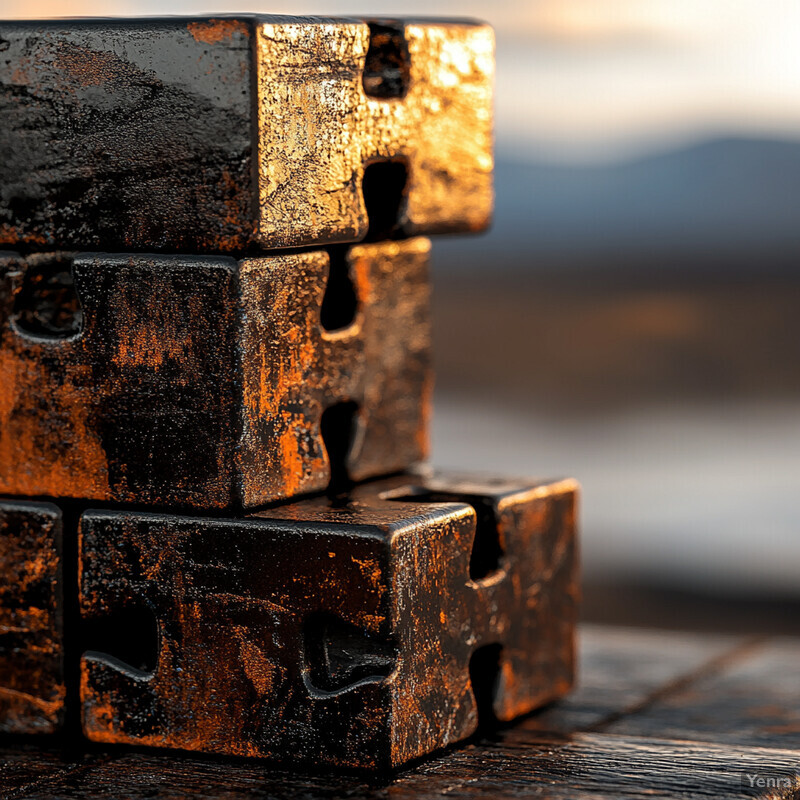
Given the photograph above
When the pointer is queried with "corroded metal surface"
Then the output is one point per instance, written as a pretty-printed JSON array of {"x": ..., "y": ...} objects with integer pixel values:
[
  {"x": 31, "y": 642},
  {"x": 209, "y": 383},
  {"x": 223, "y": 135},
  {"x": 363, "y": 631}
]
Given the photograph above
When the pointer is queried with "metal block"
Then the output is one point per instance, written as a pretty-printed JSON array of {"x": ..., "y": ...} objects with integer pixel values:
[
  {"x": 362, "y": 632},
  {"x": 209, "y": 383},
  {"x": 223, "y": 135},
  {"x": 32, "y": 688}
]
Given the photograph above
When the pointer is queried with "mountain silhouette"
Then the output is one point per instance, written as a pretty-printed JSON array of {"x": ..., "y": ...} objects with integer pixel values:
[{"x": 725, "y": 202}]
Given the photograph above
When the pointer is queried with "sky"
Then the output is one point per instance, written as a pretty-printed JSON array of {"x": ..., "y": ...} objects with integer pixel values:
[{"x": 588, "y": 80}]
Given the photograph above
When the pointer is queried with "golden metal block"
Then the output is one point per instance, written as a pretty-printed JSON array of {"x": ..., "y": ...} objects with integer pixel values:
[
  {"x": 317, "y": 134},
  {"x": 235, "y": 134}
]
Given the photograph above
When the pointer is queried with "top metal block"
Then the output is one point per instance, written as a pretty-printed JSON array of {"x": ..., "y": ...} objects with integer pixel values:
[{"x": 242, "y": 133}]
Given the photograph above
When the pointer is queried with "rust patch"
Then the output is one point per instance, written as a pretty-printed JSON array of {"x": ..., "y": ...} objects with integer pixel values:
[
  {"x": 294, "y": 369},
  {"x": 202, "y": 383},
  {"x": 85, "y": 67},
  {"x": 48, "y": 445},
  {"x": 116, "y": 412},
  {"x": 217, "y": 30}
]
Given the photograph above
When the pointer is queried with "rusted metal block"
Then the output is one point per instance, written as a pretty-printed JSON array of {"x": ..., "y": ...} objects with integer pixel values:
[
  {"x": 363, "y": 631},
  {"x": 209, "y": 383},
  {"x": 223, "y": 135},
  {"x": 31, "y": 642}
]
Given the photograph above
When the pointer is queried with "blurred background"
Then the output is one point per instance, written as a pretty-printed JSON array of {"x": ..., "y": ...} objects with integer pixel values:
[{"x": 633, "y": 319}]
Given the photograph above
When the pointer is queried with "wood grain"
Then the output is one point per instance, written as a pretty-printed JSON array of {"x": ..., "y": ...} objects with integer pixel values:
[
  {"x": 628, "y": 678},
  {"x": 753, "y": 700},
  {"x": 518, "y": 763},
  {"x": 621, "y": 669}
]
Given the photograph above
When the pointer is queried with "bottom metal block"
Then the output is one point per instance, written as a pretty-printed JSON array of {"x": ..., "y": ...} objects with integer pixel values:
[{"x": 363, "y": 631}]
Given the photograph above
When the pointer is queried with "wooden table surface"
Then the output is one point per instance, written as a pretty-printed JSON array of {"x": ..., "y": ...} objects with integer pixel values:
[{"x": 656, "y": 714}]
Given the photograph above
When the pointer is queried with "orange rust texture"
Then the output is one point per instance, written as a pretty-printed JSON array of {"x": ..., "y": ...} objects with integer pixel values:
[
  {"x": 318, "y": 129},
  {"x": 294, "y": 369},
  {"x": 231, "y": 598},
  {"x": 539, "y": 525},
  {"x": 215, "y": 31},
  {"x": 48, "y": 443},
  {"x": 201, "y": 383},
  {"x": 528, "y": 605},
  {"x": 116, "y": 411},
  {"x": 238, "y": 604},
  {"x": 31, "y": 657}
]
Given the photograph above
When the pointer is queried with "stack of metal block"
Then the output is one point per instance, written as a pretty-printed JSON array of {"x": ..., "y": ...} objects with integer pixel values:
[{"x": 218, "y": 532}]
